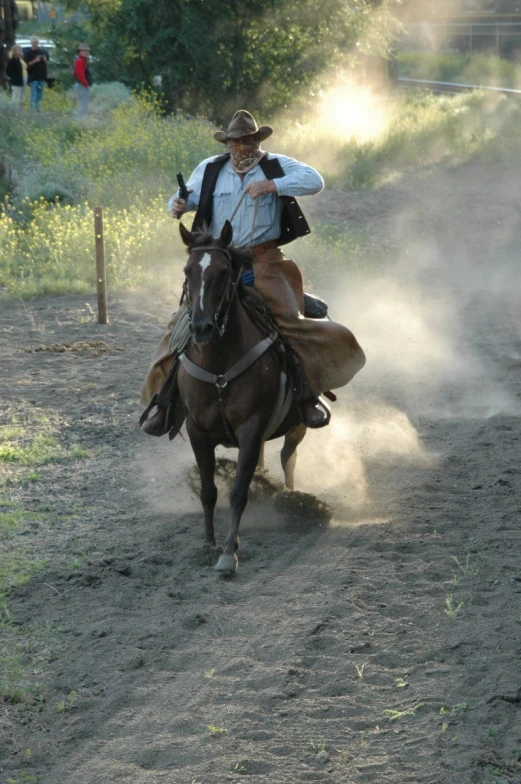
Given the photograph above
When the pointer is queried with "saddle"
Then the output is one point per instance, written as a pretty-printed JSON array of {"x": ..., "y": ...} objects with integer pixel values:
[{"x": 168, "y": 399}]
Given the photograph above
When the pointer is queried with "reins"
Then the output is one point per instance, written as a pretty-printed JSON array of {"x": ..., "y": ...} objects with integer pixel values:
[{"x": 255, "y": 208}]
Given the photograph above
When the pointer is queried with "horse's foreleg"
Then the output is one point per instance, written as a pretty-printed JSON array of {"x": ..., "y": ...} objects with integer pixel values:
[
  {"x": 204, "y": 452},
  {"x": 260, "y": 463},
  {"x": 249, "y": 450},
  {"x": 288, "y": 455}
]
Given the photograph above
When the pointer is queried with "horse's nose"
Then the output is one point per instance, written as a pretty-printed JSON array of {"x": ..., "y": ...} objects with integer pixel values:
[{"x": 202, "y": 330}]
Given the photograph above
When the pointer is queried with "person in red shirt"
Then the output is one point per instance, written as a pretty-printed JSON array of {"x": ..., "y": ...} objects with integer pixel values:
[{"x": 83, "y": 79}]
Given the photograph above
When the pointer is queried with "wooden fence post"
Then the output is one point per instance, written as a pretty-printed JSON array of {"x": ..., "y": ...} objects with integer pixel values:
[{"x": 100, "y": 266}]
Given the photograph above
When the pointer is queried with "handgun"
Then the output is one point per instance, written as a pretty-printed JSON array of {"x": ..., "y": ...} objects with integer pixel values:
[{"x": 183, "y": 190}]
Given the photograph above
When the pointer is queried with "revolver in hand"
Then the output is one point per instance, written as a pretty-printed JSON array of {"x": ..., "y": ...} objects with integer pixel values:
[{"x": 179, "y": 204}]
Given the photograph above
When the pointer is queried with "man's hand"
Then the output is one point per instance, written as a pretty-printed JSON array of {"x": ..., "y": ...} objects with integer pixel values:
[
  {"x": 260, "y": 188},
  {"x": 178, "y": 207}
]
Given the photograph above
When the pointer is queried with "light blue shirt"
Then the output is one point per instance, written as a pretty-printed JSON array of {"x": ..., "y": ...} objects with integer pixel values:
[{"x": 298, "y": 180}]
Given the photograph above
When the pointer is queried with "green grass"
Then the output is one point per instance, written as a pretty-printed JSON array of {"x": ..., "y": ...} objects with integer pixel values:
[
  {"x": 66, "y": 705},
  {"x": 23, "y": 778},
  {"x": 43, "y": 449},
  {"x": 25, "y": 441},
  {"x": 34, "y": 443},
  {"x": 393, "y": 715},
  {"x": 452, "y": 606},
  {"x": 216, "y": 731},
  {"x": 9, "y": 521},
  {"x": 25, "y": 651}
]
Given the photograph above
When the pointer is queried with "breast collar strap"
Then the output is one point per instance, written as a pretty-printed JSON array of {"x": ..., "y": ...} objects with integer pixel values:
[{"x": 221, "y": 380}]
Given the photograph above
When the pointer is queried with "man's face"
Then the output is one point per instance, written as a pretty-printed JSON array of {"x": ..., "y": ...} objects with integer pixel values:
[
  {"x": 34, "y": 43},
  {"x": 244, "y": 152},
  {"x": 243, "y": 147}
]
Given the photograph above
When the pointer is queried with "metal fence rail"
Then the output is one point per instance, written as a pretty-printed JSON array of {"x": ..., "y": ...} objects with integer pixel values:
[
  {"x": 450, "y": 87},
  {"x": 468, "y": 34}
]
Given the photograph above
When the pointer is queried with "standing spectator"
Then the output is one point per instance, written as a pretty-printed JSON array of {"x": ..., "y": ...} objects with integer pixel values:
[
  {"x": 36, "y": 60},
  {"x": 83, "y": 79},
  {"x": 16, "y": 71}
]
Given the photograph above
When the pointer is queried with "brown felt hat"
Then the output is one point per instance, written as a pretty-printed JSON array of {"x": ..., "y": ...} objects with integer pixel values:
[
  {"x": 243, "y": 124},
  {"x": 83, "y": 48}
]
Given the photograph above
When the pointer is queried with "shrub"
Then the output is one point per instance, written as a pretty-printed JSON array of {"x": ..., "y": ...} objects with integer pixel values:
[
  {"x": 53, "y": 252},
  {"x": 109, "y": 95}
]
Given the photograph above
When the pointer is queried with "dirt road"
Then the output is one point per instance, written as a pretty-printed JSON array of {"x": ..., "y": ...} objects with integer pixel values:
[{"x": 381, "y": 645}]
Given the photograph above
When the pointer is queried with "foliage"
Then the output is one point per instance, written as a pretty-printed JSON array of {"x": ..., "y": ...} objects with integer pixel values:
[
  {"x": 53, "y": 252},
  {"x": 108, "y": 95},
  {"x": 125, "y": 159},
  {"x": 127, "y": 140},
  {"x": 213, "y": 57}
]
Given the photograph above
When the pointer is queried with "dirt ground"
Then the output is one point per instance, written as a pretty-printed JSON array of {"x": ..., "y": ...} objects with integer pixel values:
[{"x": 380, "y": 643}]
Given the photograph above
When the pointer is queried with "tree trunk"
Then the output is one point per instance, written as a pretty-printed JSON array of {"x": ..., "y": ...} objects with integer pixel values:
[{"x": 8, "y": 25}]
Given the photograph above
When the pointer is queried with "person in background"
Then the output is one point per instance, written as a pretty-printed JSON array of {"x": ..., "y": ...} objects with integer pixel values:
[
  {"x": 36, "y": 60},
  {"x": 16, "y": 72},
  {"x": 83, "y": 79}
]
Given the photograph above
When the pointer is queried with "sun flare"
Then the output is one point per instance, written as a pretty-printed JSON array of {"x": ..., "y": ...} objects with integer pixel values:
[{"x": 348, "y": 111}]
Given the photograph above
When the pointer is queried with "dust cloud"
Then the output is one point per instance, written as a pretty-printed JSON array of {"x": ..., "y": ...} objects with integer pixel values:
[
  {"x": 451, "y": 266},
  {"x": 334, "y": 464},
  {"x": 415, "y": 315},
  {"x": 347, "y": 111}
]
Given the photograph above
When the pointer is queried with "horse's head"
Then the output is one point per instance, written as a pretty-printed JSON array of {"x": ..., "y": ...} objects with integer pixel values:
[{"x": 212, "y": 274}]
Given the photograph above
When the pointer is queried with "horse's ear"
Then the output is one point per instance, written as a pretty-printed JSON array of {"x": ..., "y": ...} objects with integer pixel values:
[
  {"x": 227, "y": 233},
  {"x": 186, "y": 236}
]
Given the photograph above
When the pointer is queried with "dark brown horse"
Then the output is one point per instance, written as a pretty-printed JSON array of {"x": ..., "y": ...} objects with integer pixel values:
[{"x": 231, "y": 380}]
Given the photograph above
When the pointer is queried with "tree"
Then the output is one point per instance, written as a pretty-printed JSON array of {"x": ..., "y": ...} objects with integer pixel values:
[
  {"x": 213, "y": 55},
  {"x": 8, "y": 25}
]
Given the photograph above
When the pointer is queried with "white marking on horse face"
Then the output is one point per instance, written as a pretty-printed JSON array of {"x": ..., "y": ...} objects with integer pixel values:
[{"x": 204, "y": 264}]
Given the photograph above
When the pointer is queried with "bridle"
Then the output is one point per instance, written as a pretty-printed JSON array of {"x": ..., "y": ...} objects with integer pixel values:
[
  {"x": 219, "y": 319},
  {"x": 233, "y": 284}
]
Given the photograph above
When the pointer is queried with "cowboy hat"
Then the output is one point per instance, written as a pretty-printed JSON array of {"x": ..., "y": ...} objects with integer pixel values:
[
  {"x": 83, "y": 48},
  {"x": 243, "y": 124}
]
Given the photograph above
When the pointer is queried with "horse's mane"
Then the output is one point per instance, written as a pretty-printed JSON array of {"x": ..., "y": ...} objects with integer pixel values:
[{"x": 240, "y": 257}]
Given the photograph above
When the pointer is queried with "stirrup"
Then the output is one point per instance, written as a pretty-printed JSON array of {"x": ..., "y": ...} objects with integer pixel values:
[
  {"x": 318, "y": 405},
  {"x": 144, "y": 416},
  {"x": 325, "y": 408}
]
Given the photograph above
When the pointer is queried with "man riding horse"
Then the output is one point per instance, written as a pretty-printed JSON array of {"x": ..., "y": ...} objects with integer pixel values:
[{"x": 256, "y": 191}]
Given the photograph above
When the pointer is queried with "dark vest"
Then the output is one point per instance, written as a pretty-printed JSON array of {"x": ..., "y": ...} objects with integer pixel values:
[{"x": 292, "y": 222}]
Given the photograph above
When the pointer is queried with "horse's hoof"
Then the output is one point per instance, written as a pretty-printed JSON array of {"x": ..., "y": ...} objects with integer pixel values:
[{"x": 227, "y": 563}]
